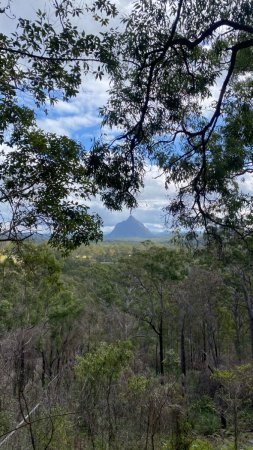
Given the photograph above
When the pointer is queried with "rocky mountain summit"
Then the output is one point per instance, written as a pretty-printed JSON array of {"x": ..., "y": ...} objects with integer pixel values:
[{"x": 130, "y": 228}]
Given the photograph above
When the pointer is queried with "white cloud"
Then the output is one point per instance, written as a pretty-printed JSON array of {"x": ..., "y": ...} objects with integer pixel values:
[
  {"x": 151, "y": 200},
  {"x": 66, "y": 107},
  {"x": 67, "y": 124},
  {"x": 81, "y": 114},
  {"x": 246, "y": 183}
]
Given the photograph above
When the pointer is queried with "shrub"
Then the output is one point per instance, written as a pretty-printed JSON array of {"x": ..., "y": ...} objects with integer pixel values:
[{"x": 203, "y": 416}]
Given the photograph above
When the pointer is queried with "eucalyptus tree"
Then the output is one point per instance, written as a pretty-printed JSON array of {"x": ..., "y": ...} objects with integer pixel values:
[
  {"x": 150, "y": 276},
  {"x": 238, "y": 260},
  {"x": 37, "y": 313},
  {"x": 97, "y": 373},
  {"x": 181, "y": 97},
  {"x": 44, "y": 182}
]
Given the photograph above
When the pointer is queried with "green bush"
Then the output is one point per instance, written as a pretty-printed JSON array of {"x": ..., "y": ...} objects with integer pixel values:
[
  {"x": 54, "y": 430},
  {"x": 5, "y": 423},
  {"x": 200, "y": 444},
  {"x": 181, "y": 438},
  {"x": 203, "y": 417},
  {"x": 197, "y": 444},
  {"x": 206, "y": 423},
  {"x": 246, "y": 417}
]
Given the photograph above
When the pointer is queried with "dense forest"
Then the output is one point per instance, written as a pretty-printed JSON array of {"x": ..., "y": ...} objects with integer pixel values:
[{"x": 144, "y": 346}]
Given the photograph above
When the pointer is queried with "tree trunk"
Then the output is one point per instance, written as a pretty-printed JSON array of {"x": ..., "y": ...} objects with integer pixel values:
[
  {"x": 156, "y": 359},
  {"x": 182, "y": 341},
  {"x": 161, "y": 344},
  {"x": 235, "y": 413},
  {"x": 238, "y": 326},
  {"x": 249, "y": 305},
  {"x": 204, "y": 352},
  {"x": 21, "y": 381},
  {"x": 43, "y": 373},
  {"x": 251, "y": 331}
]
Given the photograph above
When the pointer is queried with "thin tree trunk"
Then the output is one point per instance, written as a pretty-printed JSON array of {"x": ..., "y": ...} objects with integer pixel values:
[
  {"x": 204, "y": 353},
  {"x": 156, "y": 359},
  {"x": 251, "y": 331},
  {"x": 235, "y": 425},
  {"x": 249, "y": 305},
  {"x": 182, "y": 341},
  {"x": 43, "y": 373},
  {"x": 22, "y": 367},
  {"x": 161, "y": 344}
]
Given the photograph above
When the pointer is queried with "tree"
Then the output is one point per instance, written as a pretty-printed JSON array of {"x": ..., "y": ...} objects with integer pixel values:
[
  {"x": 163, "y": 67},
  {"x": 97, "y": 373},
  {"x": 237, "y": 260},
  {"x": 39, "y": 309},
  {"x": 171, "y": 56},
  {"x": 149, "y": 279},
  {"x": 44, "y": 180},
  {"x": 39, "y": 319},
  {"x": 236, "y": 382},
  {"x": 204, "y": 335}
]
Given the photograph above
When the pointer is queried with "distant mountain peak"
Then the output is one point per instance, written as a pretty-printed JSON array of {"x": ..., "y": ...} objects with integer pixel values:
[{"x": 130, "y": 228}]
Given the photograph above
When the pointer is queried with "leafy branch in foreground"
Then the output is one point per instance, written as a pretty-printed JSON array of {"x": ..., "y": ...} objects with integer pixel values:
[
  {"x": 44, "y": 185},
  {"x": 173, "y": 56},
  {"x": 164, "y": 63}
]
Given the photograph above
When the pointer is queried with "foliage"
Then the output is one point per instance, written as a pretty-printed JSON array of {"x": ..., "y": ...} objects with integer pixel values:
[
  {"x": 36, "y": 274},
  {"x": 163, "y": 63},
  {"x": 237, "y": 384},
  {"x": 150, "y": 275},
  {"x": 171, "y": 57},
  {"x": 203, "y": 416},
  {"x": 41, "y": 164},
  {"x": 138, "y": 384},
  {"x": 106, "y": 362},
  {"x": 70, "y": 345},
  {"x": 45, "y": 185},
  {"x": 55, "y": 430},
  {"x": 200, "y": 444},
  {"x": 150, "y": 272},
  {"x": 4, "y": 422}
]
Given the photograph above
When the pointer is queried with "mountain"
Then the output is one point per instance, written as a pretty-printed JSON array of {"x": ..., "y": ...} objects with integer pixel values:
[{"x": 130, "y": 228}]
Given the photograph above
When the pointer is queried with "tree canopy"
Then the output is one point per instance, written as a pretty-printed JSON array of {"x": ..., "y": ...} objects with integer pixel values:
[
  {"x": 44, "y": 182},
  {"x": 180, "y": 96}
]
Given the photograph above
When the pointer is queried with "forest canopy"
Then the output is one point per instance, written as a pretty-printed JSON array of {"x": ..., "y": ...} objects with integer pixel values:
[{"x": 165, "y": 62}]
